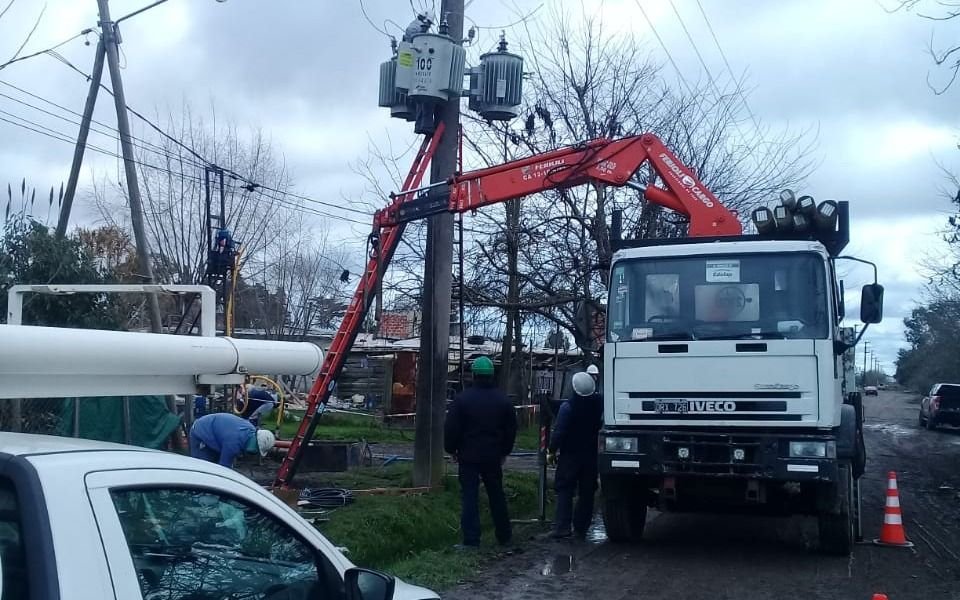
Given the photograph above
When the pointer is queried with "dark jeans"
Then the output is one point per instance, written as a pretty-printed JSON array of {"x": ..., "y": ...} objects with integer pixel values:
[
  {"x": 575, "y": 475},
  {"x": 470, "y": 475}
]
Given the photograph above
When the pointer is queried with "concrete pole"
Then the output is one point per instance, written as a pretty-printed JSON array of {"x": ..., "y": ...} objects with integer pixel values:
[
  {"x": 78, "y": 151},
  {"x": 111, "y": 44},
  {"x": 437, "y": 294}
]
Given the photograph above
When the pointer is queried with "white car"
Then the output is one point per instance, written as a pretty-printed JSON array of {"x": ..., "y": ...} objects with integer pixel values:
[{"x": 83, "y": 520}]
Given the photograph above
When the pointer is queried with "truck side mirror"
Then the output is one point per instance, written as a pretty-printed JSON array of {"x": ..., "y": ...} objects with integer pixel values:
[
  {"x": 871, "y": 303},
  {"x": 364, "y": 584}
]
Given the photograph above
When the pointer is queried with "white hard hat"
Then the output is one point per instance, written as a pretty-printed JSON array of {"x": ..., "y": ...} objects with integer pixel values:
[
  {"x": 583, "y": 384},
  {"x": 265, "y": 441},
  {"x": 593, "y": 370}
]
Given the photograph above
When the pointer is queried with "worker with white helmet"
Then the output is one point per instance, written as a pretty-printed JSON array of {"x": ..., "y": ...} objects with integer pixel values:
[
  {"x": 594, "y": 372},
  {"x": 575, "y": 438},
  {"x": 221, "y": 437}
]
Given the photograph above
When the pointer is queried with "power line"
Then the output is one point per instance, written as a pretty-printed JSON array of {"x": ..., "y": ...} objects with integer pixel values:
[
  {"x": 44, "y": 51},
  {"x": 726, "y": 62},
  {"x": 63, "y": 137},
  {"x": 207, "y": 162},
  {"x": 666, "y": 51}
]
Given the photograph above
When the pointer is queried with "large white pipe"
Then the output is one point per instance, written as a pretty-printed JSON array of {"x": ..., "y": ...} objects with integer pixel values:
[{"x": 37, "y": 362}]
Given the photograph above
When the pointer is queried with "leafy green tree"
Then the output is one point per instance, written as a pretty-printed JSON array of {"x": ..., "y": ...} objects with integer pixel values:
[
  {"x": 32, "y": 254},
  {"x": 933, "y": 332}
]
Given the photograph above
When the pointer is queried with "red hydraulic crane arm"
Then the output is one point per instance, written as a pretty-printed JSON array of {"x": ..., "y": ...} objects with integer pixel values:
[{"x": 604, "y": 161}]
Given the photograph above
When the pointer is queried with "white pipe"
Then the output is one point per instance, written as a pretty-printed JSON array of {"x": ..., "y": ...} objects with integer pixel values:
[
  {"x": 208, "y": 298},
  {"x": 37, "y": 361}
]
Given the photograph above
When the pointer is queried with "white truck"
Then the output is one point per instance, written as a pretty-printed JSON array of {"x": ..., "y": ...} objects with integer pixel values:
[
  {"x": 724, "y": 382},
  {"x": 89, "y": 520}
]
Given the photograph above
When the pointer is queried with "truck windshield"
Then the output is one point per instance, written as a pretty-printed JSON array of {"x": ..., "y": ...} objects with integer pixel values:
[{"x": 763, "y": 296}]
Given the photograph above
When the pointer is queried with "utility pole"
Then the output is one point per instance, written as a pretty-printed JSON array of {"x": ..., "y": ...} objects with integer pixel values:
[
  {"x": 71, "y": 190},
  {"x": 110, "y": 38},
  {"x": 437, "y": 292},
  {"x": 865, "y": 352}
]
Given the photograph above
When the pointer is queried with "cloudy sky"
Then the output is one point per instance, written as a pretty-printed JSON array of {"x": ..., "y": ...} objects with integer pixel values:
[{"x": 305, "y": 72}]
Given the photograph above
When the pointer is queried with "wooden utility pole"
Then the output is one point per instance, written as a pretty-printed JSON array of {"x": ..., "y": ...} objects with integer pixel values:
[
  {"x": 91, "y": 103},
  {"x": 437, "y": 293},
  {"x": 110, "y": 38}
]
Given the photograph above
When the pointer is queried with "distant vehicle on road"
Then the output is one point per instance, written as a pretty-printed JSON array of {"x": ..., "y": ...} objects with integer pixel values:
[
  {"x": 84, "y": 520},
  {"x": 882, "y": 386},
  {"x": 870, "y": 390},
  {"x": 941, "y": 406}
]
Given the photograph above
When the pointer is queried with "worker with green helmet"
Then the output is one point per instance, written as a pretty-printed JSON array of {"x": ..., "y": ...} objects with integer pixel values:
[{"x": 479, "y": 433}]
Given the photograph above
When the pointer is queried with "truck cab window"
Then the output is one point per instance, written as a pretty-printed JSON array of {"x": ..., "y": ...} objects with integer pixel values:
[
  {"x": 720, "y": 297},
  {"x": 12, "y": 557},
  {"x": 190, "y": 544}
]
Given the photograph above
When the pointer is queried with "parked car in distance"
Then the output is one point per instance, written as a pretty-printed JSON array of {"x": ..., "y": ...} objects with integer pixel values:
[
  {"x": 870, "y": 390},
  {"x": 91, "y": 520},
  {"x": 941, "y": 406}
]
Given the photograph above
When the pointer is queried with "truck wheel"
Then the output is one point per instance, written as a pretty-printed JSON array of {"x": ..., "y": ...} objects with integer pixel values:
[
  {"x": 837, "y": 529},
  {"x": 623, "y": 520},
  {"x": 857, "y": 512}
]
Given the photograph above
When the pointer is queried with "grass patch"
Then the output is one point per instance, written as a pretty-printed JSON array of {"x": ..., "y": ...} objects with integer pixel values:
[
  {"x": 528, "y": 438},
  {"x": 412, "y": 536},
  {"x": 343, "y": 427}
]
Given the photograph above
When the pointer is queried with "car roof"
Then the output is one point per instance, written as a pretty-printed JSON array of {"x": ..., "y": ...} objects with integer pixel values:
[{"x": 25, "y": 444}]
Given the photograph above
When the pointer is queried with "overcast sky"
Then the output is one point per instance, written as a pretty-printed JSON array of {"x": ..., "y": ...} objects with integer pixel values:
[{"x": 305, "y": 72}]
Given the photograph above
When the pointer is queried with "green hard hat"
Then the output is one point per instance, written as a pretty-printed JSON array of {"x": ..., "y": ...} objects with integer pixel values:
[{"x": 482, "y": 366}]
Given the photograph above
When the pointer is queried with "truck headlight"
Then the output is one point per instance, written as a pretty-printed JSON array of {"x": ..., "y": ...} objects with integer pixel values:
[
  {"x": 810, "y": 449},
  {"x": 620, "y": 444}
]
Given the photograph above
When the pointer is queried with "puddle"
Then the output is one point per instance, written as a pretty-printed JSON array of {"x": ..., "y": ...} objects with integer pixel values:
[
  {"x": 558, "y": 565},
  {"x": 597, "y": 534},
  {"x": 890, "y": 428}
]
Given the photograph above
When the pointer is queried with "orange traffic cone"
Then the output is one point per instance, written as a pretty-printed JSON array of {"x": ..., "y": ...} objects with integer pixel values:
[{"x": 892, "y": 533}]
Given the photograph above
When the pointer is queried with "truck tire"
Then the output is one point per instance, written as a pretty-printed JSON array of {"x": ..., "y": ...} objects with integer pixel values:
[
  {"x": 837, "y": 528},
  {"x": 623, "y": 519}
]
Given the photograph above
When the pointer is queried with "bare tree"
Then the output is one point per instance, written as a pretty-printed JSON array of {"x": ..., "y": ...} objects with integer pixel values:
[
  {"x": 946, "y": 57},
  {"x": 173, "y": 186}
]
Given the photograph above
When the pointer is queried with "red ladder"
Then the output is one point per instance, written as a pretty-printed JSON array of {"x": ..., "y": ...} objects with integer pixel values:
[{"x": 333, "y": 361}]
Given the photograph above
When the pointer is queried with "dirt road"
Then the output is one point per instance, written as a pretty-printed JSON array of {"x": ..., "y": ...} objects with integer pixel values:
[{"x": 721, "y": 557}]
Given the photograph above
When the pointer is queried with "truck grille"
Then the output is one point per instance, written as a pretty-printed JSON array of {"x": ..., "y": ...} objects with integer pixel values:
[{"x": 712, "y": 454}]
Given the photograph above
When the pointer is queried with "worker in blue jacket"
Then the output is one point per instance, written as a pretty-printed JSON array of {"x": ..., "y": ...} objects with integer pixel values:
[
  {"x": 222, "y": 437},
  {"x": 574, "y": 437}
]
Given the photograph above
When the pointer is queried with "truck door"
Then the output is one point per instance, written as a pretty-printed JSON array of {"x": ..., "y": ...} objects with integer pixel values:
[{"x": 185, "y": 535}]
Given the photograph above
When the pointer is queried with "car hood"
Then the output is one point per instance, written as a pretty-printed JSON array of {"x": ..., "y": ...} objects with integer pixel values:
[{"x": 406, "y": 591}]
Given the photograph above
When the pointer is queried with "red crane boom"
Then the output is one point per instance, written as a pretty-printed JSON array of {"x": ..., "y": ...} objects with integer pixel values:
[{"x": 601, "y": 161}]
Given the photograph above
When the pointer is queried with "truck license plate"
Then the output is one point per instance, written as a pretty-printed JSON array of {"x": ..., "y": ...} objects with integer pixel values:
[{"x": 674, "y": 407}]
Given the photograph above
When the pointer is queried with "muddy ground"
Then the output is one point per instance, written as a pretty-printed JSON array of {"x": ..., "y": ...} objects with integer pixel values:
[{"x": 739, "y": 558}]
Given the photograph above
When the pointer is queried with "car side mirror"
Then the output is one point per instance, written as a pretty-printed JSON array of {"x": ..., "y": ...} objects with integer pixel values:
[
  {"x": 364, "y": 584},
  {"x": 871, "y": 303}
]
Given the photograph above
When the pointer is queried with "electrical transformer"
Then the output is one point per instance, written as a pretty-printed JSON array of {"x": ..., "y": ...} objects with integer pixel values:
[
  {"x": 391, "y": 95},
  {"x": 496, "y": 86},
  {"x": 434, "y": 65}
]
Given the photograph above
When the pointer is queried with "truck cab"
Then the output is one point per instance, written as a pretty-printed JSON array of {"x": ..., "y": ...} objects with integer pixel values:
[{"x": 724, "y": 386}]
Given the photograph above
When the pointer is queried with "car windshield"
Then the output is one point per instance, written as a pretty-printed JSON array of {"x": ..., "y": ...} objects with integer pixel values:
[
  {"x": 949, "y": 391},
  {"x": 765, "y": 296}
]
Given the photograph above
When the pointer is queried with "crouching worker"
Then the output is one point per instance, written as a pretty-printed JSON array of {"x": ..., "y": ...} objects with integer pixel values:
[
  {"x": 221, "y": 437},
  {"x": 575, "y": 439}
]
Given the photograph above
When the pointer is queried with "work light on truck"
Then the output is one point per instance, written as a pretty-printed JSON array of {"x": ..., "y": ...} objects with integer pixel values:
[
  {"x": 782, "y": 217},
  {"x": 807, "y": 206},
  {"x": 826, "y": 217},
  {"x": 788, "y": 199},
  {"x": 620, "y": 444},
  {"x": 813, "y": 449},
  {"x": 763, "y": 221}
]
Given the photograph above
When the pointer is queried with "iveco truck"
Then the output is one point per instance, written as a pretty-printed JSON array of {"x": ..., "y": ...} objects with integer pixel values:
[{"x": 724, "y": 383}]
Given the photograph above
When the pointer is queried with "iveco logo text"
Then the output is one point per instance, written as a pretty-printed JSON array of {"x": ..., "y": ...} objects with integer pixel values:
[
  {"x": 686, "y": 181},
  {"x": 776, "y": 386},
  {"x": 712, "y": 406}
]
